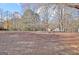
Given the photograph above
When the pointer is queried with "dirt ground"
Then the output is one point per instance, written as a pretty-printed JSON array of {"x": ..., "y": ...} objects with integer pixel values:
[{"x": 38, "y": 43}]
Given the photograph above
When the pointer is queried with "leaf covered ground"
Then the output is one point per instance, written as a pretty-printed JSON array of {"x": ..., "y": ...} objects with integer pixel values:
[{"x": 38, "y": 43}]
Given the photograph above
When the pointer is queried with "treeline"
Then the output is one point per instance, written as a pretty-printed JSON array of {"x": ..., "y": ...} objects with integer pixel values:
[{"x": 56, "y": 17}]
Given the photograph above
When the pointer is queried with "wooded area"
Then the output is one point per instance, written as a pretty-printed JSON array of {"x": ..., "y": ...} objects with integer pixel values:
[
  {"x": 56, "y": 17},
  {"x": 40, "y": 29}
]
